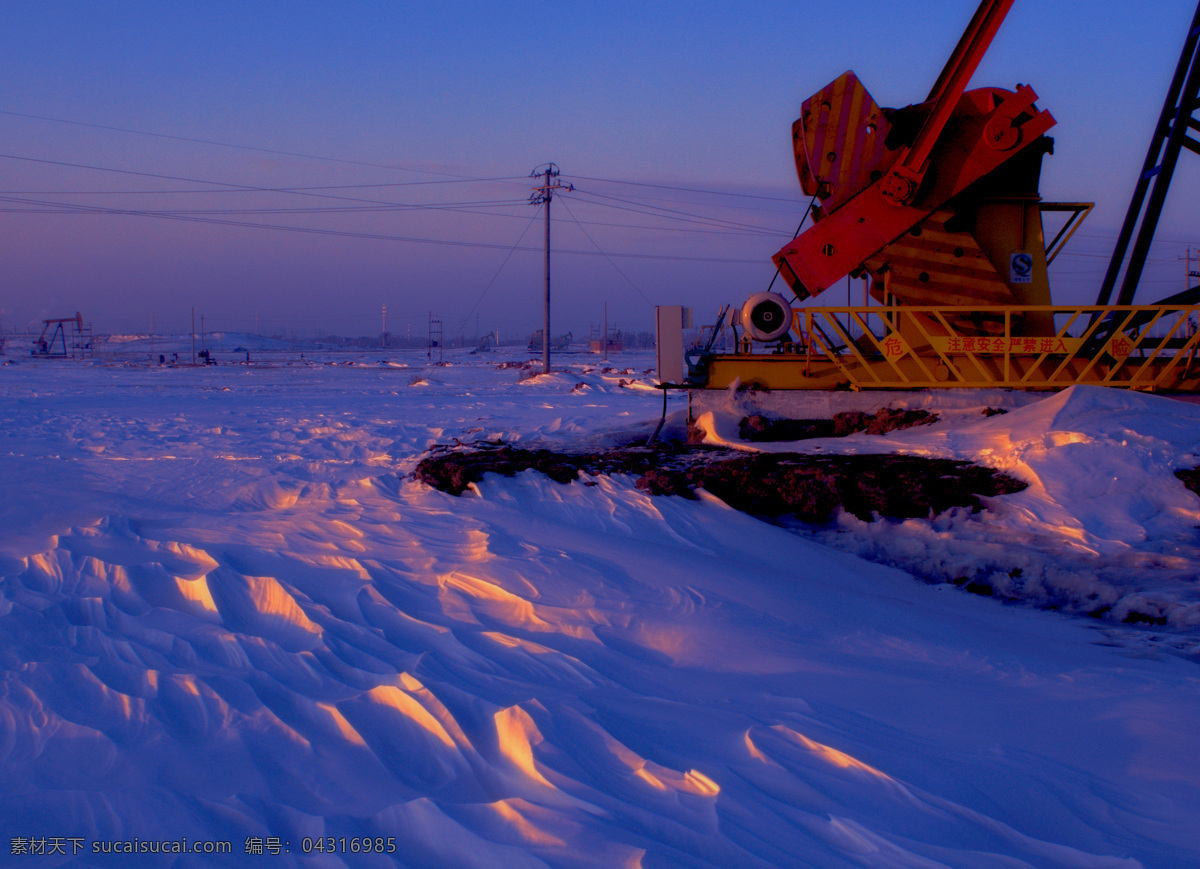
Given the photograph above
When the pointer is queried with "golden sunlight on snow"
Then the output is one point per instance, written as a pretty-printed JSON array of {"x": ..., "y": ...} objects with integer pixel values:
[
  {"x": 829, "y": 754},
  {"x": 521, "y": 824},
  {"x": 517, "y": 734},
  {"x": 272, "y": 599},
  {"x": 464, "y": 593},
  {"x": 389, "y": 695},
  {"x": 345, "y": 728},
  {"x": 434, "y": 707},
  {"x": 197, "y": 592}
]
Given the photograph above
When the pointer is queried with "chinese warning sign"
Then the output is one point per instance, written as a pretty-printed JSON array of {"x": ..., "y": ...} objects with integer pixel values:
[
  {"x": 894, "y": 347},
  {"x": 1026, "y": 344},
  {"x": 1120, "y": 346}
]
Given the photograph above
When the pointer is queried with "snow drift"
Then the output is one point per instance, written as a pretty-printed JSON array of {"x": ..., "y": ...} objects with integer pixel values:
[{"x": 226, "y": 613}]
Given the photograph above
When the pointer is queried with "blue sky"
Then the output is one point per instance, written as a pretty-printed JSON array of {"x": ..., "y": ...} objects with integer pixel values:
[{"x": 632, "y": 100}]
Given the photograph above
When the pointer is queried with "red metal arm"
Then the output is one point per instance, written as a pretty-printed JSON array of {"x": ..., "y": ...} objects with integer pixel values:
[{"x": 907, "y": 174}]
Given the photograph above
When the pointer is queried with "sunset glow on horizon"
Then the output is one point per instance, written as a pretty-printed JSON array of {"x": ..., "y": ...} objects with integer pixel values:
[{"x": 295, "y": 170}]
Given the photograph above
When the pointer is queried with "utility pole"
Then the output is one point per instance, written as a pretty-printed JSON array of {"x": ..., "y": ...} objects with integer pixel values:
[
  {"x": 604, "y": 338},
  {"x": 541, "y": 195},
  {"x": 1191, "y": 273}
]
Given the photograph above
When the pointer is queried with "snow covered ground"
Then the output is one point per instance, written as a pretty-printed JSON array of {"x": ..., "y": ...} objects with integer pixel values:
[
  {"x": 1104, "y": 527},
  {"x": 228, "y": 615}
]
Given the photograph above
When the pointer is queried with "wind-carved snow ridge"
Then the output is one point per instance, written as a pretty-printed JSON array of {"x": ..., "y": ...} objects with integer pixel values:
[
  {"x": 312, "y": 682},
  {"x": 306, "y": 643}
]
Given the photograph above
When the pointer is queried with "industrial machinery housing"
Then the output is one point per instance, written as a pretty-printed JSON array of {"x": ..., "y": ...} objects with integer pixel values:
[{"x": 935, "y": 207}]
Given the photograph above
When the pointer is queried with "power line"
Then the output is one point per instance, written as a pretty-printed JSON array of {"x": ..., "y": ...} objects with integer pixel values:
[
  {"x": 636, "y": 288},
  {"x": 462, "y": 207},
  {"x": 231, "y": 145},
  {"x": 221, "y": 184},
  {"x": 31, "y": 205},
  {"x": 676, "y": 214},
  {"x": 249, "y": 189},
  {"x": 447, "y": 206},
  {"x": 449, "y": 177},
  {"x": 92, "y": 209},
  {"x": 500, "y": 268},
  {"x": 228, "y": 187},
  {"x": 692, "y": 190}
]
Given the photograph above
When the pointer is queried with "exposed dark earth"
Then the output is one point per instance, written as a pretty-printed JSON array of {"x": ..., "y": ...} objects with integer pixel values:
[{"x": 811, "y": 488}]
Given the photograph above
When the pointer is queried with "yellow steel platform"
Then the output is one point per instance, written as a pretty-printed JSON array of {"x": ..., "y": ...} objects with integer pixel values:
[{"x": 1144, "y": 347}]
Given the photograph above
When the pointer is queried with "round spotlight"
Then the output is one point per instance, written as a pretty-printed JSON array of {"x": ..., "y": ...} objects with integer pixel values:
[{"x": 767, "y": 316}]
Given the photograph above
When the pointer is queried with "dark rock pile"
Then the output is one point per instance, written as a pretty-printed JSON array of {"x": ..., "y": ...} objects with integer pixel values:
[
  {"x": 811, "y": 488},
  {"x": 1190, "y": 478},
  {"x": 758, "y": 428}
]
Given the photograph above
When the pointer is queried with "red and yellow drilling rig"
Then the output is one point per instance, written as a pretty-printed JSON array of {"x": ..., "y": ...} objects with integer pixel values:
[{"x": 935, "y": 207}]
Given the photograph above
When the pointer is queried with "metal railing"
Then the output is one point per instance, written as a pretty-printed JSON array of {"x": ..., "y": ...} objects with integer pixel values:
[{"x": 908, "y": 346}]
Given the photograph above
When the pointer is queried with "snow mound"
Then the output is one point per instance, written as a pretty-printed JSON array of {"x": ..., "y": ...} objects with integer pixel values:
[{"x": 1105, "y": 527}]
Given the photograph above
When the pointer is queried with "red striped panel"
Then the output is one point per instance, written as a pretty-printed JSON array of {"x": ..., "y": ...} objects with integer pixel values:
[{"x": 839, "y": 140}]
